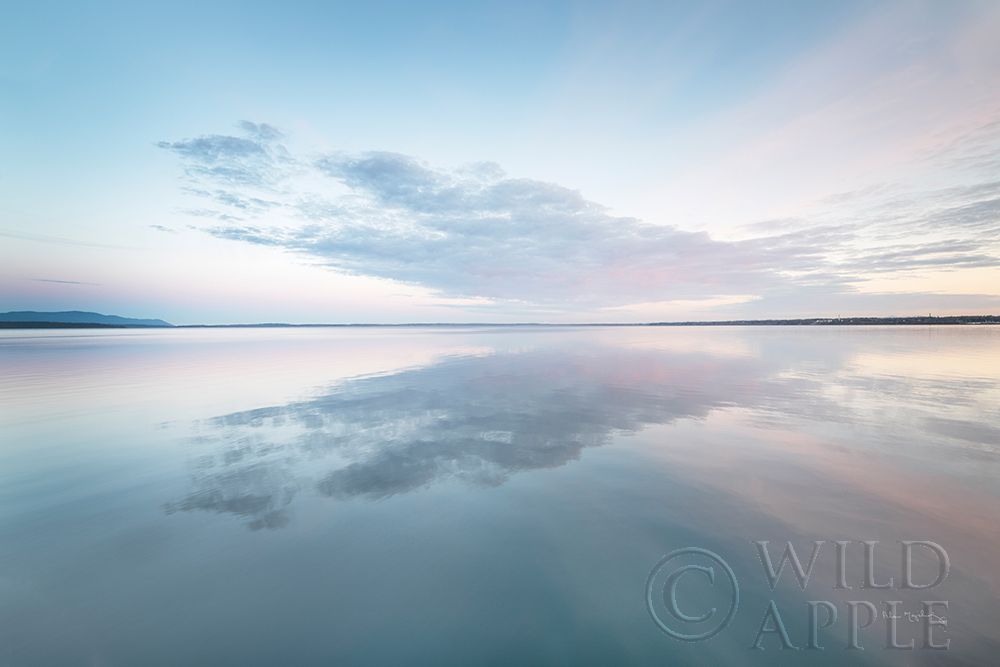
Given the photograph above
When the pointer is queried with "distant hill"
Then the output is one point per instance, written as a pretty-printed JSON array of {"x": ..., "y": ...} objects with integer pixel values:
[
  {"x": 72, "y": 318},
  {"x": 845, "y": 321}
]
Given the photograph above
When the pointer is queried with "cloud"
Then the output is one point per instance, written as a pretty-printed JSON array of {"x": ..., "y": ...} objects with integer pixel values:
[
  {"x": 261, "y": 131},
  {"x": 234, "y": 200},
  {"x": 251, "y": 160},
  {"x": 972, "y": 150},
  {"x": 952, "y": 254},
  {"x": 211, "y": 213},
  {"x": 477, "y": 232},
  {"x": 58, "y": 240},
  {"x": 62, "y": 282}
]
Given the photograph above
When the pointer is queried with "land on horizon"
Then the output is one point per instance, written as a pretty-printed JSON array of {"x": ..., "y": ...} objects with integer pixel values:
[{"x": 76, "y": 319}]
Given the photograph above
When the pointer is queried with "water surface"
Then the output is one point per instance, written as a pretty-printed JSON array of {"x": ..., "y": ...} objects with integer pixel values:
[{"x": 486, "y": 495}]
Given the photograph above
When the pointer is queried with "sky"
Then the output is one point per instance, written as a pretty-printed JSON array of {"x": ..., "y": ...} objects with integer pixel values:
[{"x": 500, "y": 162}]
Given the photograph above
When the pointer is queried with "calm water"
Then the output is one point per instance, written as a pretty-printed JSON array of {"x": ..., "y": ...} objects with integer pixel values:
[{"x": 490, "y": 496}]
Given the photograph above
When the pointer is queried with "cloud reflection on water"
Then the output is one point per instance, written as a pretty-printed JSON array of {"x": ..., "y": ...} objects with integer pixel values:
[
  {"x": 481, "y": 418},
  {"x": 478, "y": 419}
]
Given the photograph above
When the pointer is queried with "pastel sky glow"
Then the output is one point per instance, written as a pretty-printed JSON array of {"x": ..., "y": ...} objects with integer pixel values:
[{"x": 418, "y": 162}]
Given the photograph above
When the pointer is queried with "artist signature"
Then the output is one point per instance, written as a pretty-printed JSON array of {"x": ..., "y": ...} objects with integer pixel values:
[{"x": 913, "y": 617}]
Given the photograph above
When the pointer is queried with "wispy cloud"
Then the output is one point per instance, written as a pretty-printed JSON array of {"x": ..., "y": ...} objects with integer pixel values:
[
  {"x": 255, "y": 159},
  {"x": 62, "y": 282},
  {"x": 476, "y": 232},
  {"x": 59, "y": 240}
]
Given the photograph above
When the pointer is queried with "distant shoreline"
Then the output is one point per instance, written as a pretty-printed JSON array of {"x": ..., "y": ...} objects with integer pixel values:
[{"x": 814, "y": 321}]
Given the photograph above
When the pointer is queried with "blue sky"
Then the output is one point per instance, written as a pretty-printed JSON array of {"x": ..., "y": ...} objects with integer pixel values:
[{"x": 381, "y": 162}]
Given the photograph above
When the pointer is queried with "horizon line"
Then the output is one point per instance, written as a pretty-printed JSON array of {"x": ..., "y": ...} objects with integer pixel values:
[{"x": 788, "y": 321}]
